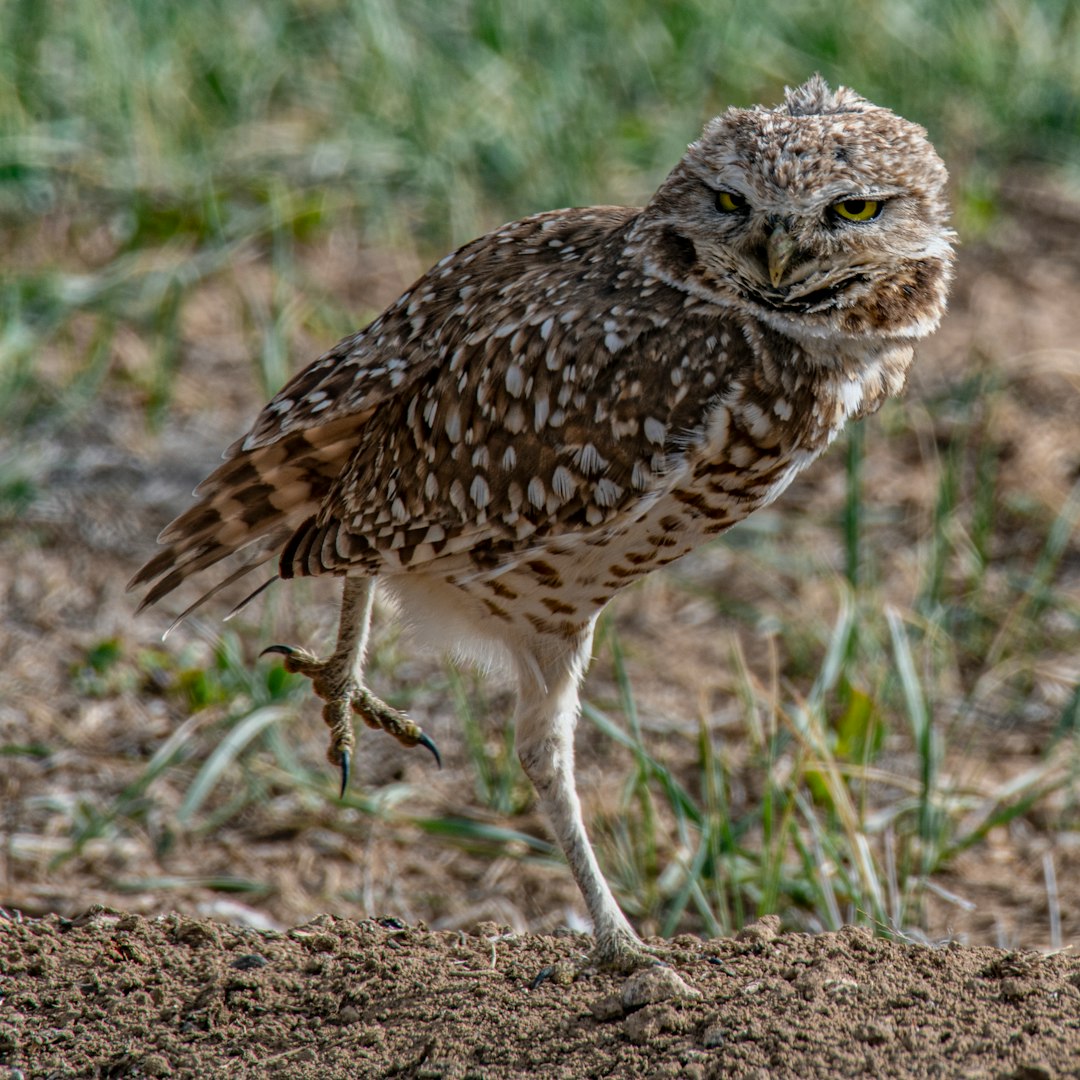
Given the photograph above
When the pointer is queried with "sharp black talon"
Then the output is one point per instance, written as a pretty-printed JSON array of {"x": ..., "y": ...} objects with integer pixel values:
[
  {"x": 346, "y": 761},
  {"x": 284, "y": 650},
  {"x": 542, "y": 977},
  {"x": 423, "y": 740}
]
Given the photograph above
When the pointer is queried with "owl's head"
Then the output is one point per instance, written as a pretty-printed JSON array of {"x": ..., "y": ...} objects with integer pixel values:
[{"x": 825, "y": 216}]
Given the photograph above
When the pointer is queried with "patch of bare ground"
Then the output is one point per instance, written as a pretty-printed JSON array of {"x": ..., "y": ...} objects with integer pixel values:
[{"x": 111, "y": 994}]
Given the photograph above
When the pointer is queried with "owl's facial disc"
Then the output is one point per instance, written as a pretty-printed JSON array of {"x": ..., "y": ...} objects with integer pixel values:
[{"x": 825, "y": 216}]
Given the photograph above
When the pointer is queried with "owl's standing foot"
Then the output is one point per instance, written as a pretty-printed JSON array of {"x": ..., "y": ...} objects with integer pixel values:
[{"x": 624, "y": 953}]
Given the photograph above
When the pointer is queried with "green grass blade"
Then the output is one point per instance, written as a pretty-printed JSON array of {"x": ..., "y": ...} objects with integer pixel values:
[{"x": 225, "y": 754}]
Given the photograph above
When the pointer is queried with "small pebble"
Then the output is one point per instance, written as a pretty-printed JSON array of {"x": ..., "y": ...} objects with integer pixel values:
[
  {"x": 193, "y": 933},
  {"x": 764, "y": 929},
  {"x": 249, "y": 962}
]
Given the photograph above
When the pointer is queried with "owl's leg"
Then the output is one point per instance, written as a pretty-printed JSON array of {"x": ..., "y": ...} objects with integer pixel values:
[
  {"x": 546, "y": 716},
  {"x": 339, "y": 681}
]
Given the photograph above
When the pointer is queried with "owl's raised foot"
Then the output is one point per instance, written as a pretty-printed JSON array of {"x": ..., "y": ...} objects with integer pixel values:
[
  {"x": 377, "y": 714},
  {"x": 344, "y": 696}
]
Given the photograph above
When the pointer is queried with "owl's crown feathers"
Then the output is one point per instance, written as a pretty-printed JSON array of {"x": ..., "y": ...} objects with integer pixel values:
[{"x": 815, "y": 98}]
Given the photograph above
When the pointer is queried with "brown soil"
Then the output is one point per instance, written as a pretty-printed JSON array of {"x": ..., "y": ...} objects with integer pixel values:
[
  {"x": 111, "y": 995},
  {"x": 162, "y": 994}
]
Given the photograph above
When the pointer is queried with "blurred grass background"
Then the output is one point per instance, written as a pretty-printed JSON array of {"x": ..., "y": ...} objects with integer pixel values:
[
  {"x": 435, "y": 120},
  {"x": 189, "y": 129},
  {"x": 148, "y": 149}
]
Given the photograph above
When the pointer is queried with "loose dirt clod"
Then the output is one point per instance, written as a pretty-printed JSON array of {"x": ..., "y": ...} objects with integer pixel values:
[{"x": 654, "y": 984}]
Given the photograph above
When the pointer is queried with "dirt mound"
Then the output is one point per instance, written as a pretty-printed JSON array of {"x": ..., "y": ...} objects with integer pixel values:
[{"x": 114, "y": 995}]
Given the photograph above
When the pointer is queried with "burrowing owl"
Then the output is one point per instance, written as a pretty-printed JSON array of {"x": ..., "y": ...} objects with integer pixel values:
[{"x": 582, "y": 396}]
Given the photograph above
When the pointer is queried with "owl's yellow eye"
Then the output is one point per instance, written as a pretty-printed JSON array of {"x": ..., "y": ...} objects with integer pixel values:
[
  {"x": 727, "y": 202},
  {"x": 857, "y": 209}
]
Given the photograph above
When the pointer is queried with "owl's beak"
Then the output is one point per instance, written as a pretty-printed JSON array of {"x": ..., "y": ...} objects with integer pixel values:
[{"x": 779, "y": 249}]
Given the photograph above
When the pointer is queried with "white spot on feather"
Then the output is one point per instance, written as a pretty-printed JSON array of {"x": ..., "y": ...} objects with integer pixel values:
[
  {"x": 541, "y": 407},
  {"x": 851, "y": 394},
  {"x": 757, "y": 423},
  {"x": 719, "y": 426},
  {"x": 741, "y": 455},
  {"x": 514, "y": 422},
  {"x": 562, "y": 482},
  {"x": 655, "y": 430},
  {"x": 589, "y": 460},
  {"x": 452, "y": 424},
  {"x": 515, "y": 380},
  {"x": 479, "y": 491},
  {"x": 607, "y": 492}
]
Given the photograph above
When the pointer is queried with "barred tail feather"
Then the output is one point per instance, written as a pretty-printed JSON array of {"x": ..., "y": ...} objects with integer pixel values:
[
  {"x": 225, "y": 582},
  {"x": 258, "y": 497}
]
